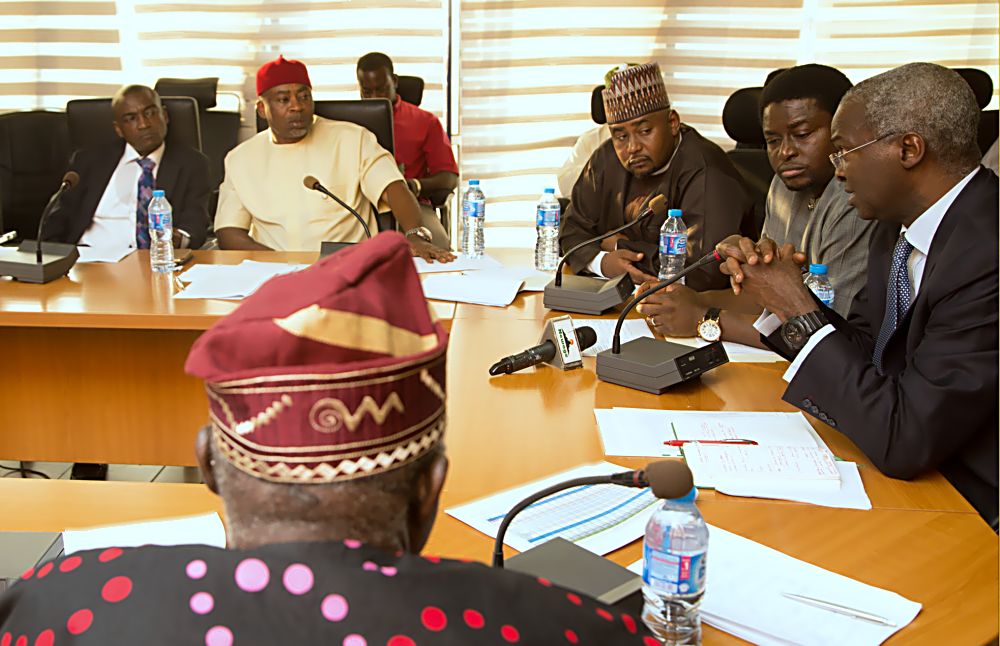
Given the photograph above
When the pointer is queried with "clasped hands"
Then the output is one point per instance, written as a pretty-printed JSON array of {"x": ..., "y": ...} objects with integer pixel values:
[{"x": 767, "y": 274}]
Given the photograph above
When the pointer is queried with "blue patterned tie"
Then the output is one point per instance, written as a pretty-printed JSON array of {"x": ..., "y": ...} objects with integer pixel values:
[
  {"x": 143, "y": 196},
  {"x": 897, "y": 298}
]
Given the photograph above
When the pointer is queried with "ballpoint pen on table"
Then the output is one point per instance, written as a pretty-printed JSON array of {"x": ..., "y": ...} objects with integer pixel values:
[
  {"x": 839, "y": 609},
  {"x": 734, "y": 441}
]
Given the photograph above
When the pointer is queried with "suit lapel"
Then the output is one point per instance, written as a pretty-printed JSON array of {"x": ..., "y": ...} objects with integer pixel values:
[{"x": 166, "y": 176}]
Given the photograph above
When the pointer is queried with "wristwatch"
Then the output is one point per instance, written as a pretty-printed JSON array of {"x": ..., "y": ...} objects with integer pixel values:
[
  {"x": 421, "y": 232},
  {"x": 797, "y": 330},
  {"x": 709, "y": 327}
]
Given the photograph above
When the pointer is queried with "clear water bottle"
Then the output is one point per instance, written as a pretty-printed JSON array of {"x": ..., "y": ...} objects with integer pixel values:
[
  {"x": 673, "y": 571},
  {"x": 547, "y": 230},
  {"x": 473, "y": 220},
  {"x": 673, "y": 245},
  {"x": 817, "y": 281},
  {"x": 161, "y": 233}
]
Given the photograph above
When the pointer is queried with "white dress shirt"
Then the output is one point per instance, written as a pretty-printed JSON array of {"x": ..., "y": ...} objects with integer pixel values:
[
  {"x": 920, "y": 234},
  {"x": 114, "y": 220}
]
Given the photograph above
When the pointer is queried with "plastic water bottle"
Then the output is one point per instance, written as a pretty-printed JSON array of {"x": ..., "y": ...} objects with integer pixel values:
[
  {"x": 673, "y": 245},
  {"x": 161, "y": 233},
  {"x": 473, "y": 220},
  {"x": 817, "y": 281},
  {"x": 547, "y": 230},
  {"x": 673, "y": 571}
]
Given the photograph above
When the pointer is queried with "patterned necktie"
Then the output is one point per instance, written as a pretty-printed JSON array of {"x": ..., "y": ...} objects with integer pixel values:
[
  {"x": 897, "y": 298},
  {"x": 143, "y": 196}
]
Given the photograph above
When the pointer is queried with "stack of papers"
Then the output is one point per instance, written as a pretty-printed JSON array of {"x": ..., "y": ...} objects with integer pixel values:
[
  {"x": 99, "y": 254},
  {"x": 461, "y": 263},
  {"x": 744, "y": 595},
  {"x": 231, "y": 281},
  {"x": 206, "y": 529},
  {"x": 496, "y": 287},
  {"x": 788, "y": 448},
  {"x": 598, "y": 518}
]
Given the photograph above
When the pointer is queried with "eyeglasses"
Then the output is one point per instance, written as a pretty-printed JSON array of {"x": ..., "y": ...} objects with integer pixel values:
[{"x": 837, "y": 159}]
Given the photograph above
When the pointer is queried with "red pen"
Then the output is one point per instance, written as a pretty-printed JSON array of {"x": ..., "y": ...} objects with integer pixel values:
[{"x": 733, "y": 441}]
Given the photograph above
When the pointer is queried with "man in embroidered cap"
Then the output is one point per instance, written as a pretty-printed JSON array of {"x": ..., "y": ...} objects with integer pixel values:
[
  {"x": 327, "y": 404},
  {"x": 651, "y": 152},
  {"x": 262, "y": 201}
]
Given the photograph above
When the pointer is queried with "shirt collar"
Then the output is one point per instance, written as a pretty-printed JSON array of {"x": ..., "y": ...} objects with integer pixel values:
[
  {"x": 132, "y": 155},
  {"x": 920, "y": 234},
  {"x": 666, "y": 167}
]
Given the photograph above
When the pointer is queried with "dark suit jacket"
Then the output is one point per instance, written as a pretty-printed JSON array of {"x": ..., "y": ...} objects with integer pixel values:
[
  {"x": 183, "y": 174},
  {"x": 701, "y": 181},
  {"x": 936, "y": 404}
]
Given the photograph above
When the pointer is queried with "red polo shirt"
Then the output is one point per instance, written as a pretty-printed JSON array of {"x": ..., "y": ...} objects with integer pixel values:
[{"x": 422, "y": 146}]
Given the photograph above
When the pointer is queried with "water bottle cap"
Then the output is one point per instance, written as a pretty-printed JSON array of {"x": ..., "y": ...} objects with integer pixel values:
[
  {"x": 674, "y": 213},
  {"x": 473, "y": 182},
  {"x": 689, "y": 497},
  {"x": 550, "y": 190},
  {"x": 819, "y": 270},
  {"x": 159, "y": 193}
]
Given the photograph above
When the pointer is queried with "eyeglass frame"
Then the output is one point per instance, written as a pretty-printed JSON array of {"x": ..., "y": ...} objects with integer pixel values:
[{"x": 837, "y": 159}]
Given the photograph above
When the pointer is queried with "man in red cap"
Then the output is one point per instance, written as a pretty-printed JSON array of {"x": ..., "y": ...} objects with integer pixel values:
[
  {"x": 327, "y": 403},
  {"x": 262, "y": 201}
]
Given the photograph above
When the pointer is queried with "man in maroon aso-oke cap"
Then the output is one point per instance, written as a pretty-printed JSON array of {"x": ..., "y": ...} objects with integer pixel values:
[{"x": 327, "y": 402}]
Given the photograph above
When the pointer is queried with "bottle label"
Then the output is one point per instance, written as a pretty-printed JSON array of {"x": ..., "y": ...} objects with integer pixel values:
[
  {"x": 161, "y": 221},
  {"x": 673, "y": 245},
  {"x": 473, "y": 209},
  {"x": 669, "y": 573},
  {"x": 547, "y": 217}
]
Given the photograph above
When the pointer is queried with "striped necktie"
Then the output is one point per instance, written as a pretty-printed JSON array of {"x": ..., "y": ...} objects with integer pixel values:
[
  {"x": 143, "y": 196},
  {"x": 897, "y": 298}
]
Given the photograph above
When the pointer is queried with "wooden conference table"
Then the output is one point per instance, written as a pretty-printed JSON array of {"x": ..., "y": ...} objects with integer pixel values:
[{"x": 94, "y": 366}]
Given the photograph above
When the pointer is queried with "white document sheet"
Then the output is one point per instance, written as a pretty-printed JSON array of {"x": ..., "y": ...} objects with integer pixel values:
[
  {"x": 605, "y": 328},
  {"x": 599, "y": 518},
  {"x": 794, "y": 468},
  {"x": 205, "y": 529},
  {"x": 737, "y": 352},
  {"x": 461, "y": 263},
  {"x": 851, "y": 495},
  {"x": 496, "y": 287},
  {"x": 98, "y": 254},
  {"x": 231, "y": 281},
  {"x": 642, "y": 431},
  {"x": 743, "y": 596}
]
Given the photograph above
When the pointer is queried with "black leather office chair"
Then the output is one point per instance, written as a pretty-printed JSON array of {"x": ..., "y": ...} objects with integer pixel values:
[
  {"x": 741, "y": 119},
  {"x": 34, "y": 154},
  {"x": 982, "y": 87},
  {"x": 411, "y": 89},
  {"x": 597, "y": 106},
  {"x": 220, "y": 129},
  {"x": 373, "y": 114},
  {"x": 91, "y": 122}
]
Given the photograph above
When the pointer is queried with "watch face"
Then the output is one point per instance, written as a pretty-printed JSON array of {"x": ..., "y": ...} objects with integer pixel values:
[
  {"x": 794, "y": 333},
  {"x": 710, "y": 330}
]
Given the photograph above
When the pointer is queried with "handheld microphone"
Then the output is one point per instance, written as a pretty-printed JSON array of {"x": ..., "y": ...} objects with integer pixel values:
[
  {"x": 654, "y": 365},
  {"x": 314, "y": 184},
  {"x": 667, "y": 479},
  {"x": 657, "y": 205},
  {"x": 542, "y": 353},
  {"x": 69, "y": 180}
]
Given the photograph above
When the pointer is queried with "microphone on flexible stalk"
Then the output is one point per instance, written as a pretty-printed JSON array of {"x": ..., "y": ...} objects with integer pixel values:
[
  {"x": 314, "y": 184},
  {"x": 34, "y": 262},
  {"x": 69, "y": 180},
  {"x": 666, "y": 478}
]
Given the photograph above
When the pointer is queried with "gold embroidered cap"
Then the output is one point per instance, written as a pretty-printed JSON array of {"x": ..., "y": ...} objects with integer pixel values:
[
  {"x": 331, "y": 373},
  {"x": 634, "y": 91}
]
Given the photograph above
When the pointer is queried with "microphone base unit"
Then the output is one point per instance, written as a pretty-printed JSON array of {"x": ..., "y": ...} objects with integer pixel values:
[
  {"x": 21, "y": 263},
  {"x": 653, "y": 366},
  {"x": 588, "y": 295},
  {"x": 328, "y": 247}
]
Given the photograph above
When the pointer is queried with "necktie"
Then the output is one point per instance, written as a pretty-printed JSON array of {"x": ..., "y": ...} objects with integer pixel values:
[
  {"x": 143, "y": 196},
  {"x": 897, "y": 298}
]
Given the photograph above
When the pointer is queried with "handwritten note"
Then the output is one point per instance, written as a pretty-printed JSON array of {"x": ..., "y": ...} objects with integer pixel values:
[{"x": 714, "y": 465}]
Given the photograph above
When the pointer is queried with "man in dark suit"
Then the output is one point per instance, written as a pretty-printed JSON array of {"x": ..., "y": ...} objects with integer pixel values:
[
  {"x": 108, "y": 207},
  {"x": 911, "y": 375}
]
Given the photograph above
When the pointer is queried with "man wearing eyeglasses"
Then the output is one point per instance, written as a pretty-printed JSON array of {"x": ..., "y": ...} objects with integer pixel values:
[{"x": 911, "y": 374}]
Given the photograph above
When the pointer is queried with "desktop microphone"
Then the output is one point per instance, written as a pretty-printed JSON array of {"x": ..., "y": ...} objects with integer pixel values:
[
  {"x": 583, "y": 338},
  {"x": 69, "y": 180},
  {"x": 314, "y": 184},
  {"x": 667, "y": 478},
  {"x": 591, "y": 295},
  {"x": 653, "y": 365}
]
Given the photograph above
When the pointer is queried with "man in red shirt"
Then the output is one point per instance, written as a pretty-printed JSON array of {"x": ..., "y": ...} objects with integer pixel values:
[{"x": 423, "y": 151}]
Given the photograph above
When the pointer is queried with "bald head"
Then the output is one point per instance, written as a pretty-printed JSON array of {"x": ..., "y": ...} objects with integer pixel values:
[{"x": 929, "y": 100}]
